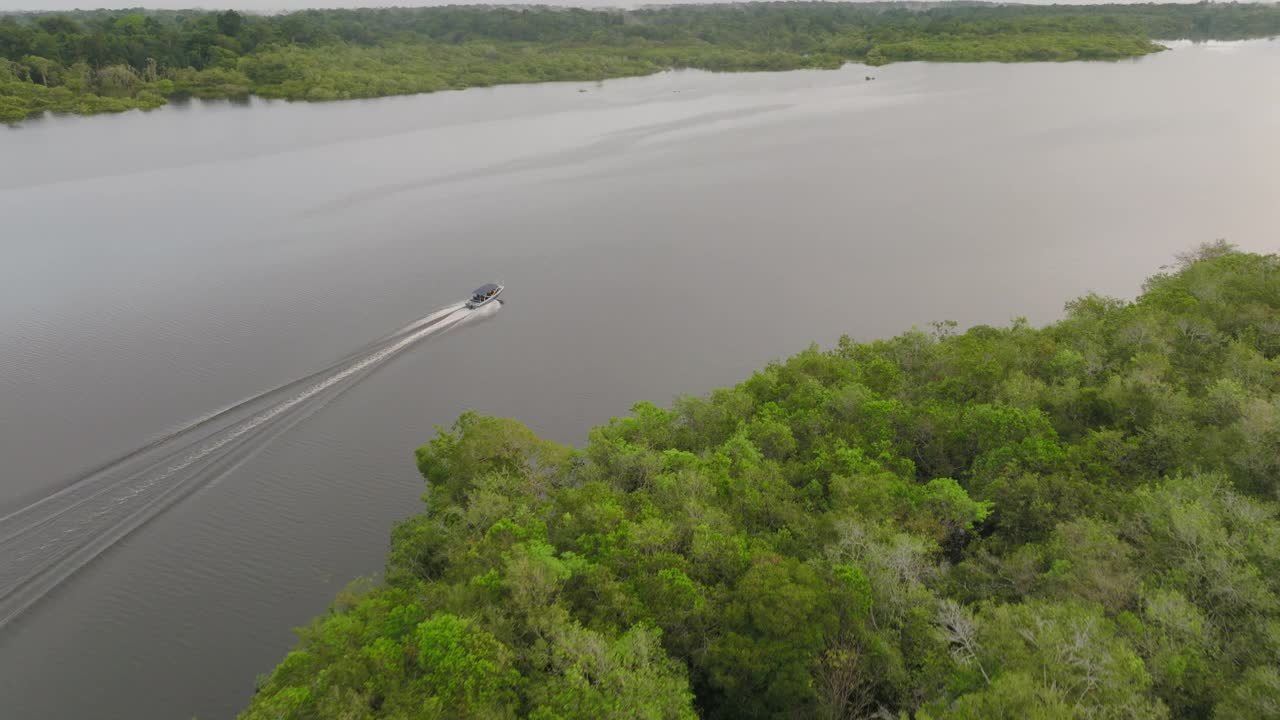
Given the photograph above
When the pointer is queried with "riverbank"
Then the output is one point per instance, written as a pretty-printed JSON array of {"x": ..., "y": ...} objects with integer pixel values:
[
  {"x": 99, "y": 61},
  {"x": 1078, "y": 517},
  {"x": 224, "y": 248}
]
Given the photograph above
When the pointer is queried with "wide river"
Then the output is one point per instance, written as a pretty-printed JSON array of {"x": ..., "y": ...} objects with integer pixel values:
[{"x": 657, "y": 236}]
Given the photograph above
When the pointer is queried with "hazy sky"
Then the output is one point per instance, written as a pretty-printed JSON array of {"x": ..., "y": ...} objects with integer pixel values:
[{"x": 267, "y": 6}]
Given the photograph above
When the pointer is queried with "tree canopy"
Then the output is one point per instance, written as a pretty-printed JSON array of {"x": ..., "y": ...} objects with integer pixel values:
[{"x": 1074, "y": 521}]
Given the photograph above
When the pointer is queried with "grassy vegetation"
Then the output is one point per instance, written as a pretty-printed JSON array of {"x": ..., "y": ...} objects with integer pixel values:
[
  {"x": 1075, "y": 521},
  {"x": 103, "y": 61}
]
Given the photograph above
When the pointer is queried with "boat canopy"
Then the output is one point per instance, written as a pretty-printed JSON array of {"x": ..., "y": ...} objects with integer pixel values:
[{"x": 484, "y": 291}]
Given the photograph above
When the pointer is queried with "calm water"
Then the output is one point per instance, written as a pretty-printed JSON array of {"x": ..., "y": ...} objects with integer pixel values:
[{"x": 658, "y": 236}]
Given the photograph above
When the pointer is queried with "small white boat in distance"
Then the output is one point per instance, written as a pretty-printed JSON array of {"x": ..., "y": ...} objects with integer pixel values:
[{"x": 484, "y": 295}]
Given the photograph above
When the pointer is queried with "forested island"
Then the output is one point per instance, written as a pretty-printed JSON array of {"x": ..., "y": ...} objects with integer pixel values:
[
  {"x": 109, "y": 61},
  {"x": 1074, "y": 521}
]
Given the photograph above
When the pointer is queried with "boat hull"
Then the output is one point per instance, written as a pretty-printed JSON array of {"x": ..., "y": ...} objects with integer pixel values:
[{"x": 473, "y": 303}]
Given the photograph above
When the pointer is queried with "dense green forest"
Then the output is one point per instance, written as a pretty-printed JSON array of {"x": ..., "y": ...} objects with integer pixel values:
[
  {"x": 1074, "y": 521},
  {"x": 102, "y": 61}
]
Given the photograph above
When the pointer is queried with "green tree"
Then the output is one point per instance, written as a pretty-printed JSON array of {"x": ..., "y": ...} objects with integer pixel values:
[{"x": 1106, "y": 543}]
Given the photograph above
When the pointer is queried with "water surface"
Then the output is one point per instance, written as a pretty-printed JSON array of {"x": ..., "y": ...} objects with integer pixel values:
[{"x": 658, "y": 236}]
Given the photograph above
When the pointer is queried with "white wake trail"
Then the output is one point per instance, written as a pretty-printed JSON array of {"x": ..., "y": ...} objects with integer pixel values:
[
  {"x": 298, "y": 399},
  {"x": 427, "y": 320},
  {"x": 47, "y": 541}
]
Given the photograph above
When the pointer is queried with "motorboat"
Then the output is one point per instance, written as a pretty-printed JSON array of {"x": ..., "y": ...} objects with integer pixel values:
[{"x": 484, "y": 295}]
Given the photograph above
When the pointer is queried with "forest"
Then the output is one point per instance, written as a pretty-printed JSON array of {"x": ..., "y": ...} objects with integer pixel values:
[
  {"x": 1080, "y": 520},
  {"x": 109, "y": 61}
]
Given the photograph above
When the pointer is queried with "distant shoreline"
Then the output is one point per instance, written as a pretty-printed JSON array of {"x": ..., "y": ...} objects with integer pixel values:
[{"x": 90, "y": 62}]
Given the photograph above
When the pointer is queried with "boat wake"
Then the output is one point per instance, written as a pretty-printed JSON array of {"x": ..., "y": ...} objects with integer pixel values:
[{"x": 44, "y": 543}]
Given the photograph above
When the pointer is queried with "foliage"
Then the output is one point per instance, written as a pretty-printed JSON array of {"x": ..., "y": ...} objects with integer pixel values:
[
  {"x": 108, "y": 61},
  {"x": 1077, "y": 521}
]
